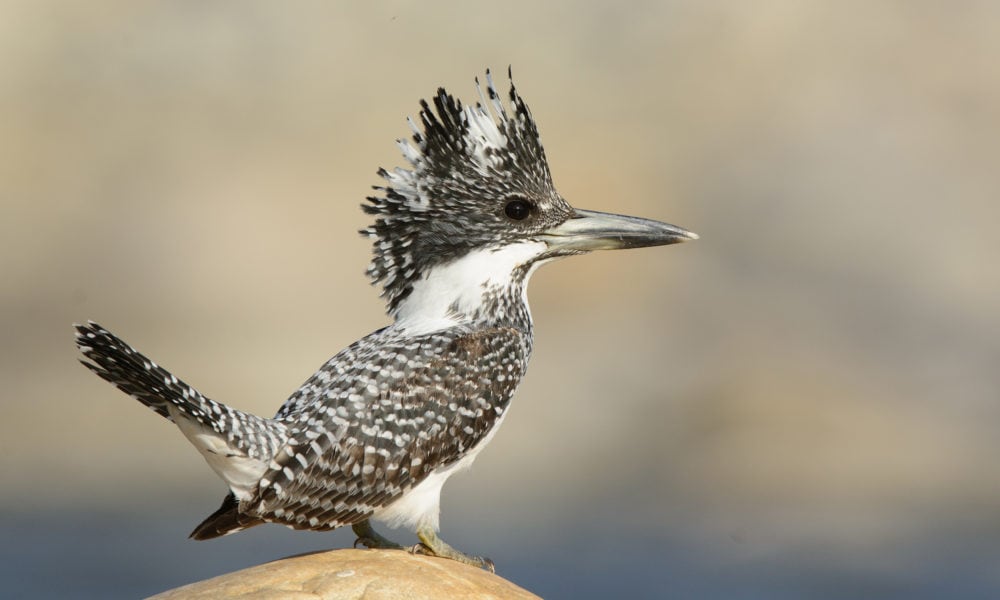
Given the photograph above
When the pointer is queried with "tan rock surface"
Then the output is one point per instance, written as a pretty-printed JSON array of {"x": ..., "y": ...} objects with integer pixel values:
[{"x": 353, "y": 575}]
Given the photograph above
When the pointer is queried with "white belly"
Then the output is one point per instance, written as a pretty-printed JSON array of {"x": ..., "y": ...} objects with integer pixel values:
[{"x": 421, "y": 504}]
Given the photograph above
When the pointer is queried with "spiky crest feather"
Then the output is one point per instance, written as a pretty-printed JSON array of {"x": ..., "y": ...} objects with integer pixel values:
[{"x": 467, "y": 161}]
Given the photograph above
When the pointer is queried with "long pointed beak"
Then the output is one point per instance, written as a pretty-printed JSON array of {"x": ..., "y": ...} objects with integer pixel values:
[{"x": 590, "y": 230}]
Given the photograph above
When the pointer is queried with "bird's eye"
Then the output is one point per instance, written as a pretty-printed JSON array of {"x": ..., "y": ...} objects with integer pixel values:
[{"x": 517, "y": 209}]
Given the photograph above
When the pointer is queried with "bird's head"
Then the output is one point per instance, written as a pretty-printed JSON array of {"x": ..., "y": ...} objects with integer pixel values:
[{"x": 479, "y": 203}]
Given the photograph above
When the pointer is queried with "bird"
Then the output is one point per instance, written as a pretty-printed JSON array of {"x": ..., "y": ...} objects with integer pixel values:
[{"x": 380, "y": 427}]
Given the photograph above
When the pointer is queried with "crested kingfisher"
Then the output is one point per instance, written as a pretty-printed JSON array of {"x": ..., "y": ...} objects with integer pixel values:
[{"x": 379, "y": 428}]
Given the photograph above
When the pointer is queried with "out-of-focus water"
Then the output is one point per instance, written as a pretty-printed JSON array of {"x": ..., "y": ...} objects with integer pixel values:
[{"x": 107, "y": 556}]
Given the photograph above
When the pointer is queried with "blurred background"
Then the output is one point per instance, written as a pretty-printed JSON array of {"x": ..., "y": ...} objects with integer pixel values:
[{"x": 804, "y": 403}]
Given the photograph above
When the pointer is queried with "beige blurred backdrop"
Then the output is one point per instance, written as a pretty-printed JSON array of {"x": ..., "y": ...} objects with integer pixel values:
[{"x": 817, "y": 375}]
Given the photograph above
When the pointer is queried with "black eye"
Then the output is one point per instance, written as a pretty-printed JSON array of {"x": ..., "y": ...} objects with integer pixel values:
[{"x": 517, "y": 209}]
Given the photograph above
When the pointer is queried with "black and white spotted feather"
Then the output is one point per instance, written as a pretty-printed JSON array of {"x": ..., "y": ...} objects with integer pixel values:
[
  {"x": 152, "y": 385},
  {"x": 380, "y": 427},
  {"x": 382, "y": 416},
  {"x": 467, "y": 163}
]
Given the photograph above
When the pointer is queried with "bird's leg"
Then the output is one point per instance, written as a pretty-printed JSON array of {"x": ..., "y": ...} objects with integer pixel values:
[
  {"x": 431, "y": 544},
  {"x": 369, "y": 538}
]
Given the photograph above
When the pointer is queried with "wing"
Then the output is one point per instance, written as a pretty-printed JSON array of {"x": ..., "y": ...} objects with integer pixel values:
[{"x": 383, "y": 414}]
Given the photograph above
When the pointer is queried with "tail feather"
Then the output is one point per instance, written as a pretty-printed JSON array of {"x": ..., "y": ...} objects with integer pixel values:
[
  {"x": 228, "y": 519},
  {"x": 119, "y": 364},
  {"x": 237, "y": 445}
]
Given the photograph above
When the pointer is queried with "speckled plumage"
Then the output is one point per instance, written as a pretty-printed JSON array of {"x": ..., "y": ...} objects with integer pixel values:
[
  {"x": 382, "y": 415},
  {"x": 373, "y": 422},
  {"x": 379, "y": 428},
  {"x": 409, "y": 399}
]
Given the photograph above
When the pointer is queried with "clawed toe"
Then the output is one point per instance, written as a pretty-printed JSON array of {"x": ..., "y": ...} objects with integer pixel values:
[
  {"x": 367, "y": 542},
  {"x": 432, "y": 545},
  {"x": 487, "y": 564},
  {"x": 421, "y": 548},
  {"x": 370, "y": 538},
  {"x": 476, "y": 561}
]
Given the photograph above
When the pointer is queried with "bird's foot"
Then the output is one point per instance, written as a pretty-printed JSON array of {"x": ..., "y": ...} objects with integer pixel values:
[
  {"x": 431, "y": 545},
  {"x": 369, "y": 538}
]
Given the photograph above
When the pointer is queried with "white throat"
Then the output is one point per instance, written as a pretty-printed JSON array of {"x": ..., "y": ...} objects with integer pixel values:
[{"x": 450, "y": 294}]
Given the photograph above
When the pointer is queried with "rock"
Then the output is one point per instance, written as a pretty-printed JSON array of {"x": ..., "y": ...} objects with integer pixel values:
[{"x": 353, "y": 575}]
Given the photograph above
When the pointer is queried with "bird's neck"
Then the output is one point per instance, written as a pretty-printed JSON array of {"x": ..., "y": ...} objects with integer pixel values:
[{"x": 483, "y": 288}]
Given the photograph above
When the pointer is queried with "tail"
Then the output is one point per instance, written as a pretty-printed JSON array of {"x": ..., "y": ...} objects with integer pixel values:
[
  {"x": 237, "y": 445},
  {"x": 228, "y": 519}
]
